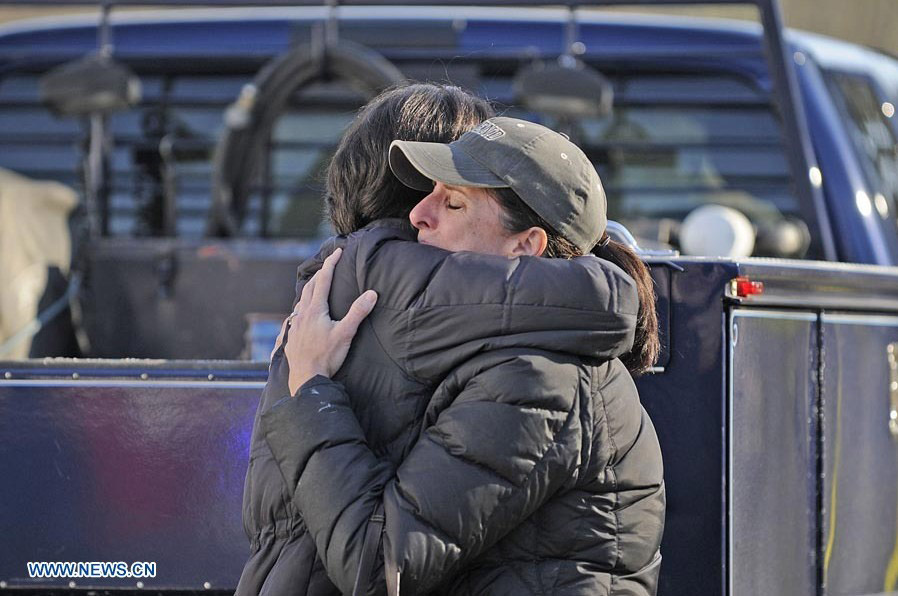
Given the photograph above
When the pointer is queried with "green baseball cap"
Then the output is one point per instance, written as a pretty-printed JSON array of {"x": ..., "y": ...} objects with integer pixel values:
[{"x": 544, "y": 168}]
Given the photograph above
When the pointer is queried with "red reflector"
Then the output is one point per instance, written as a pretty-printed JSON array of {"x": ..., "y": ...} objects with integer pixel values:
[{"x": 743, "y": 287}]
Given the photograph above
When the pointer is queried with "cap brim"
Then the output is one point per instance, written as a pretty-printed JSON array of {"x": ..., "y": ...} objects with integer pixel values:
[{"x": 418, "y": 164}]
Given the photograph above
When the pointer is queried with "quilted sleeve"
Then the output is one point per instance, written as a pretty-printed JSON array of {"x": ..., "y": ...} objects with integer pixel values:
[{"x": 490, "y": 458}]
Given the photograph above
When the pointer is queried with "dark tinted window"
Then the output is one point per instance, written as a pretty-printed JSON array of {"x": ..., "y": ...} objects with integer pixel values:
[
  {"x": 184, "y": 113},
  {"x": 675, "y": 143},
  {"x": 873, "y": 138},
  {"x": 671, "y": 144}
]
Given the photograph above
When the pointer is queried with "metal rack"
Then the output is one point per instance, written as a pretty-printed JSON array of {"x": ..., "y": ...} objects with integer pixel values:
[{"x": 785, "y": 91}]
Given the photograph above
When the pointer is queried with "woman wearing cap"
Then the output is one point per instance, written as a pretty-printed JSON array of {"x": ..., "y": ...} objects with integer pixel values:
[{"x": 534, "y": 469}]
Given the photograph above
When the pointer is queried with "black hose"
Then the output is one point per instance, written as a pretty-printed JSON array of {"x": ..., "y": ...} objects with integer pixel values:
[{"x": 250, "y": 119}]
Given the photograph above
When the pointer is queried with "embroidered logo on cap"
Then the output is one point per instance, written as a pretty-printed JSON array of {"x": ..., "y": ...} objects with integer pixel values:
[{"x": 488, "y": 131}]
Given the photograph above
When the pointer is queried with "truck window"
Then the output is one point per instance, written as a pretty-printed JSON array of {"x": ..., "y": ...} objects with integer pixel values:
[
  {"x": 32, "y": 141},
  {"x": 873, "y": 138},
  {"x": 674, "y": 142},
  {"x": 185, "y": 114}
]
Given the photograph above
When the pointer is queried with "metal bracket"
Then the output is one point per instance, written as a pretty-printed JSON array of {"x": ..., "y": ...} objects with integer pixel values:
[
  {"x": 331, "y": 27},
  {"x": 573, "y": 47},
  {"x": 326, "y": 34}
]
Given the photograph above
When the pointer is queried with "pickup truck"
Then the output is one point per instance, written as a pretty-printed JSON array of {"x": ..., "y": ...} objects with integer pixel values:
[{"x": 776, "y": 394}]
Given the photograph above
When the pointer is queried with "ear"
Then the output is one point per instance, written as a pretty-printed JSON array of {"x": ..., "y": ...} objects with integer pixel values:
[{"x": 531, "y": 242}]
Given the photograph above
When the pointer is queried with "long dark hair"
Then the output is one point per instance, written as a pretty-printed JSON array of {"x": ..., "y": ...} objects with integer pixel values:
[
  {"x": 517, "y": 217},
  {"x": 360, "y": 185}
]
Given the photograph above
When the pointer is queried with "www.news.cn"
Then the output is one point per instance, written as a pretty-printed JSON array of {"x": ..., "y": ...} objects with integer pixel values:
[{"x": 92, "y": 569}]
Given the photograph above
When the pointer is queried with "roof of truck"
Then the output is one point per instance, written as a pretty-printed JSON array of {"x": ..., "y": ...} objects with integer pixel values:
[
  {"x": 641, "y": 31},
  {"x": 835, "y": 54},
  {"x": 265, "y": 30}
]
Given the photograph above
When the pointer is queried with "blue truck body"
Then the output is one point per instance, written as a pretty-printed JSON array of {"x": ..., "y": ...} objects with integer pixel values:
[{"x": 776, "y": 412}]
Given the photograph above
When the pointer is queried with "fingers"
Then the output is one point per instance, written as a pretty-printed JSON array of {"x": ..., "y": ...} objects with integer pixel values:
[
  {"x": 305, "y": 299},
  {"x": 361, "y": 308},
  {"x": 325, "y": 275},
  {"x": 280, "y": 338}
]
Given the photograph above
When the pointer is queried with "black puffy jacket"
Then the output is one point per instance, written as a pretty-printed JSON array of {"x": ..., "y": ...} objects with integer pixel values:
[{"x": 485, "y": 408}]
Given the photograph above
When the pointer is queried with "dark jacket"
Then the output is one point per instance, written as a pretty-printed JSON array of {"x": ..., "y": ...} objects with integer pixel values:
[{"x": 486, "y": 411}]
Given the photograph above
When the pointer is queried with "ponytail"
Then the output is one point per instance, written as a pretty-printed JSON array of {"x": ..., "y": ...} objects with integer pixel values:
[
  {"x": 517, "y": 216},
  {"x": 646, "y": 344}
]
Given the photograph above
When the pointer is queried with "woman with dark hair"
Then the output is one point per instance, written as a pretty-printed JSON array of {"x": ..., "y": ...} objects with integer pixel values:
[
  {"x": 482, "y": 413},
  {"x": 360, "y": 189}
]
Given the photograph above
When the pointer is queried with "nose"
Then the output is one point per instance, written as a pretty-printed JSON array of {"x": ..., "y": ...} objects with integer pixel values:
[{"x": 423, "y": 215}]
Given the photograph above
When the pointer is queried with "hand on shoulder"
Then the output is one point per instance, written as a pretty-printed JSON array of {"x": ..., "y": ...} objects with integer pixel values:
[{"x": 316, "y": 344}]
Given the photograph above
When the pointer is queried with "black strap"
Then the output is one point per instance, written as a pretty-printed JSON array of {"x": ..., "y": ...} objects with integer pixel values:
[{"x": 373, "y": 535}]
